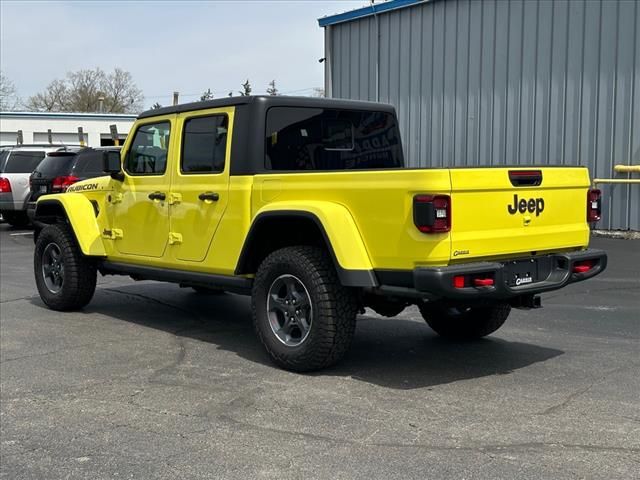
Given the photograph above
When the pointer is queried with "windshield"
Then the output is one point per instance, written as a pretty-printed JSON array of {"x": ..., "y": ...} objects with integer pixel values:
[
  {"x": 56, "y": 164},
  {"x": 21, "y": 162}
]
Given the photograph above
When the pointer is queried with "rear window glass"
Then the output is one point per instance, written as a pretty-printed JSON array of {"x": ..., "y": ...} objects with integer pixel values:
[
  {"x": 56, "y": 164},
  {"x": 89, "y": 164},
  {"x": 327, "y": 139},
  {"x": 22, "y": 162}
]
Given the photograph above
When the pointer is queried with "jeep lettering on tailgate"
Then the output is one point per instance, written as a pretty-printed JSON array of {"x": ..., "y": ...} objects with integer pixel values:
[{"x": 523, "y": 205}]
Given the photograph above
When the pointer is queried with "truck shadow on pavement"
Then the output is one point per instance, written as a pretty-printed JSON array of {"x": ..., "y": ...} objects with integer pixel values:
[{"x": 398, "y": 353}]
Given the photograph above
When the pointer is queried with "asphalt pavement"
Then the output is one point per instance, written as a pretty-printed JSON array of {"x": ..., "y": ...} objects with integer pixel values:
[{"x": 154, "y": 381}]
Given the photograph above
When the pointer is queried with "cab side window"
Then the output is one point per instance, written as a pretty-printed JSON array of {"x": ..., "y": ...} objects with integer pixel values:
[
  {"x": 204, "y": 144},
  {"x": 148, "y": 152}
]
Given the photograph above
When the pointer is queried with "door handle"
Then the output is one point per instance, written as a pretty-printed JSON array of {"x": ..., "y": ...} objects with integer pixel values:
[
  {"x": 157, "y": 196},
  {"x": 210, "y": 196}
]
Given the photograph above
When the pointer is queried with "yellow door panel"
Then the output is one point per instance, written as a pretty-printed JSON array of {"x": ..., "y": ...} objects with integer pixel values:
[
  {"x": 141, "y": 209},
  {"x": 200, "y": 182}
]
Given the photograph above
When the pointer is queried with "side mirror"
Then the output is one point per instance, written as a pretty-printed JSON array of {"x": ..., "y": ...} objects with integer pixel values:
[{"x": 112, "y": 165}]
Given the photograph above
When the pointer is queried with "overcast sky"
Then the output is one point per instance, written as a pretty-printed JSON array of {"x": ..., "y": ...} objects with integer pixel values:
[{"x": 167, "y": 45}]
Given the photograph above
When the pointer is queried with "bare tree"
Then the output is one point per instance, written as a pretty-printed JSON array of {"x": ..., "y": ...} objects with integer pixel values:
[
  {"x": 81, "y": 92},
  {"x": 231, "y": 93},
  {"x": 121, "y": 93},
  {"x": 8, "y": 99},
  {"x": 246, "y": 89},
  {"x": 156, "y": 106},
  {"x": 272, "y": 90},
  {"x": 51, "y": 100},
  {"x": 318, "y": 92},
  {"x": 207, "y": 95}
]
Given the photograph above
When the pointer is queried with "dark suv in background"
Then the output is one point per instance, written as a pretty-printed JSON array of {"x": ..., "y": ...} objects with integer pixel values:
[
  {"x": 16, "y": 164},
  {"x": 60, "y": 170}
]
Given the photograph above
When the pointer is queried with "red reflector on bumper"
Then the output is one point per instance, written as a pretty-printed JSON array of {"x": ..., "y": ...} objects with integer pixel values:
[
  {"x": 581, "y": 267},
  {"x": 458, "y": 281},
  {"x": 483, "y": 282}
]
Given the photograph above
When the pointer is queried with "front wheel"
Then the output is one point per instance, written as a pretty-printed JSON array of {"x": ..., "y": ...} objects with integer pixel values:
[
  {"x": 303, "y": 316},
  {"x": 66, "y": 279},
  {"x": 465, "y": 322}
]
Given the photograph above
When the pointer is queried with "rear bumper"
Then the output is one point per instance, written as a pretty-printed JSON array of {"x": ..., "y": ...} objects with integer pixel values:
[{"x": 552, "y": 272}]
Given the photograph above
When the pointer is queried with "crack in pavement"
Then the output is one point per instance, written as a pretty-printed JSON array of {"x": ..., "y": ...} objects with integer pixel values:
[
  {"x": 573, "y": 395},
  {"x": 494, "y": 448},
  {"x": 74, "y": 347}
]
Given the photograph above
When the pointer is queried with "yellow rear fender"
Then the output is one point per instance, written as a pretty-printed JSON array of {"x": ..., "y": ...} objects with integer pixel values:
[
  {"x": 324, "y": 224},
  {"x": 77, "y": 210}
]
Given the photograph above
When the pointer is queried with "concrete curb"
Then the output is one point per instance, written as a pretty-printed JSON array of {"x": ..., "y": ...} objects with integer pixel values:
[{"x": 621, "y": 234}]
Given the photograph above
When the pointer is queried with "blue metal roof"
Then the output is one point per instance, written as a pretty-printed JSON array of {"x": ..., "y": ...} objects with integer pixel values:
[{"x": 367, "y": 11}]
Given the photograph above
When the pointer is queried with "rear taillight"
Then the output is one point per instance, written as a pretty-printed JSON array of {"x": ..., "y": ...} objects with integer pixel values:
[
  {"x": 5, "y": 186},
  {"x": 593, "y": 205},
  {"x": 60, "y": 184},
  {"x": 432, "y": 213}
]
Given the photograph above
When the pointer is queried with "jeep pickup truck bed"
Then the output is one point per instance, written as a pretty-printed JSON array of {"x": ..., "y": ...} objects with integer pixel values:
[{"x": 306, "y": 205}]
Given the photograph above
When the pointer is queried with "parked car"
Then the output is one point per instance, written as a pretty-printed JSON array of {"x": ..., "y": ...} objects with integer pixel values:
[
  {"x": 61, "y": 169},
  {"x": 306, "y": 205},
  {"x": 16, "y": 164}
]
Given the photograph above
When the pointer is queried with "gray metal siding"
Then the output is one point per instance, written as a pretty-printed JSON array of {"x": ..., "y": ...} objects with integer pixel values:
[{"x": 496, "y": 82}]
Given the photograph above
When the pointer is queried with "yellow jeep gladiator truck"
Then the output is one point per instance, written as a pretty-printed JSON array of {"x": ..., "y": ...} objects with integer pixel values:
[{"x": 306, "y": 205}]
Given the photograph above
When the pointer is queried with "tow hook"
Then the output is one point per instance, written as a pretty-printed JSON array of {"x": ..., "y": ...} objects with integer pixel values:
[{"x": 527, "y": 302}]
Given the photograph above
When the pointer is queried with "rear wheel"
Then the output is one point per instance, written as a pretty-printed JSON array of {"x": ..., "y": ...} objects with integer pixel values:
[
  {"x": 16, "y": 219},
  {"x": 303, "y": 316},
  {"x": 66, "y": 279},
  {"x": 465, "y": 322}
]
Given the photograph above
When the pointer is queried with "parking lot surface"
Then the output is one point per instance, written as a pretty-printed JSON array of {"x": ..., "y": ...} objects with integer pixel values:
[{"x": 154, "y": 381}]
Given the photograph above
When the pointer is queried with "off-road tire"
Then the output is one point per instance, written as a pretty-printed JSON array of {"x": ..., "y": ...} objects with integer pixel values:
[
  {"x": 79, "y": 278},
  {"x": 465, "y": 323},
  {"x": 16, "y": 219},
  {"x": 334, "y": 308}
]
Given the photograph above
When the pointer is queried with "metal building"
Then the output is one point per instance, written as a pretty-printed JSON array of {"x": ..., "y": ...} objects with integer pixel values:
[
  {"x": 494, "y": 82},
  {"x": 35, "y": 127}
]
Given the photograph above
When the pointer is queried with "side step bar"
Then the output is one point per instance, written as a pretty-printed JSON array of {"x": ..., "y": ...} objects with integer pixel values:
[{"x": 231, "y": 283}]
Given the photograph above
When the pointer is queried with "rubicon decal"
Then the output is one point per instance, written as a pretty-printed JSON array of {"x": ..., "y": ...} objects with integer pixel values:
[
  {"x": 524, "y": 205},
  {"x": 80, "y": 188}
]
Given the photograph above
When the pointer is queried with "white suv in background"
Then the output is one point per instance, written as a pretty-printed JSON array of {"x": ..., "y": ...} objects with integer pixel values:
[{"x": 16, "y": 164}]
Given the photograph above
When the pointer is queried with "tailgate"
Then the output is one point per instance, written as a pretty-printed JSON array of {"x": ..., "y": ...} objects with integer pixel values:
[{"x": 510, "y": 212}]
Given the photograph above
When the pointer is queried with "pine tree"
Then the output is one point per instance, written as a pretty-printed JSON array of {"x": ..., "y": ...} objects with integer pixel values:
[
  {"x": 246, "y": 89},
  {"x": 272, "y": 90},
  {"x": 207, "y": 95}
]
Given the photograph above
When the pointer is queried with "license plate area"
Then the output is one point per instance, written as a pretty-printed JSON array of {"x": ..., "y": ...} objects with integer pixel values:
[
  {"x": 43, "y": 189},
  {"x": 522, "y": 272}
]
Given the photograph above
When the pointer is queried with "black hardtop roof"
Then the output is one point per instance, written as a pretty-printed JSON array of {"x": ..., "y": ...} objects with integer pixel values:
[{"x": 271, "y": 101}]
